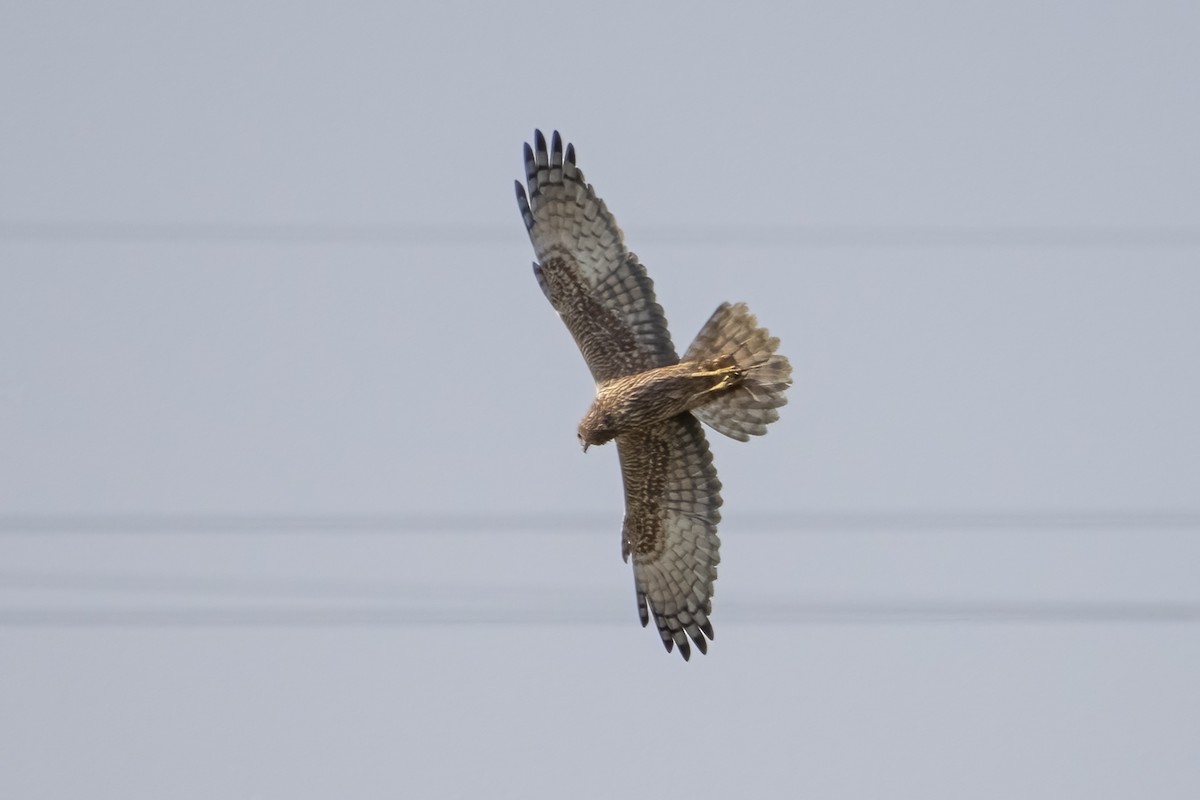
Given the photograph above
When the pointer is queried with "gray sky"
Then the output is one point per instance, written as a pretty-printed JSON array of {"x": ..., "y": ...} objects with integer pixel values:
[{"x": 262, "y": 536}]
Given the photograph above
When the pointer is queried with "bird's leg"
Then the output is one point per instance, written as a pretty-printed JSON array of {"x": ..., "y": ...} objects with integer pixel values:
[{"x": 729, "y": 378}]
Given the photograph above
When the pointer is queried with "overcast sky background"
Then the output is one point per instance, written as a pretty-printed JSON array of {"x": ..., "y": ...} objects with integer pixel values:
[{"x": 291, "y": 503}]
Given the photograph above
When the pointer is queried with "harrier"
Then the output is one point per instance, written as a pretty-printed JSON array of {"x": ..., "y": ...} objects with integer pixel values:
[{"x": 647, "y": 398}]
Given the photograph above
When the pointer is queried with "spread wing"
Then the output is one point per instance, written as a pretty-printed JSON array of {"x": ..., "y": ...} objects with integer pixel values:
[
  {"x": 597, "y": 286},
  {"x": 672, "y": 497}
]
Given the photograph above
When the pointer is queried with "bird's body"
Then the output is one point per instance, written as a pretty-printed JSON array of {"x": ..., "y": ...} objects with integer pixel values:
[
  {"x": 647, "y": 398},
  {"x": 655, "y": 395}
]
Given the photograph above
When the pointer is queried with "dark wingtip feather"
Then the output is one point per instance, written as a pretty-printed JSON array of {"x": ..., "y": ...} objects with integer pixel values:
[
  {"x": 530, "y": 164},
  {"x": 523, "y": 206},
  {"x": 556, "y": 152},
  {"x": 539, "y": 141},
  {"x": 708, "y": 631},
  {"x": 570, "y": 153}
]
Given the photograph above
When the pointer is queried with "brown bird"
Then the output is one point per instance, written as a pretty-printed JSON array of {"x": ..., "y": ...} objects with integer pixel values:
[{"x": 647, "y": 398}]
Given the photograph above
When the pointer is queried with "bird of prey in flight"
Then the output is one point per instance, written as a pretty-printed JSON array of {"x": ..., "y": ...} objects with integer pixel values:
[{"x": 648, "y": 399}]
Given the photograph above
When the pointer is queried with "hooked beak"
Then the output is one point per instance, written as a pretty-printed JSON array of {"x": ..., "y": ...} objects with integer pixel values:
[{"x": 585, "y": 447}]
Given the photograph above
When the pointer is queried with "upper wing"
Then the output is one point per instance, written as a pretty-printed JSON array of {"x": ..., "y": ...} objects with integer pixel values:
[
  {"x": 596, "y": 285},
  {"x": 672, "y": 497}
]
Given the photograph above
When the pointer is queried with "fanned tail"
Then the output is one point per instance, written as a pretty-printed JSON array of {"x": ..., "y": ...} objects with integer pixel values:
[{"x": 746, "y": 409}]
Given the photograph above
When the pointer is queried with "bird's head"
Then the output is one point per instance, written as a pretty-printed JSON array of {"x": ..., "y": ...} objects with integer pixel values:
[{"x": 597, "y": 427}]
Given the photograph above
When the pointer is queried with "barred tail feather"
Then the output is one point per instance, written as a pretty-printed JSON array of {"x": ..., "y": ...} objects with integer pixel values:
[{"x": 745, "y": 410}]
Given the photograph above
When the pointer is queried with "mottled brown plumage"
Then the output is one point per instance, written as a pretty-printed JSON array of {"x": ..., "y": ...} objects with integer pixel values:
[
  {"x": 647, "y": 399},
  {"x": 644, "y": 398}
]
